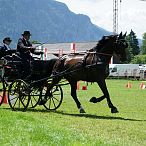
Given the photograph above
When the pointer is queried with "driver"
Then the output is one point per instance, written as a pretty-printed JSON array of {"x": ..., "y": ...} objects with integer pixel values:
[{"x": 24, "y": 50}]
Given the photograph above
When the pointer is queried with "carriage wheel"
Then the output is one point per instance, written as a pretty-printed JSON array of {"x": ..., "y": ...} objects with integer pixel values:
[
  {"x": 34, "y": 97},
  {"x": 18, "y": 95},
  {"x": 55, "y": 100}
]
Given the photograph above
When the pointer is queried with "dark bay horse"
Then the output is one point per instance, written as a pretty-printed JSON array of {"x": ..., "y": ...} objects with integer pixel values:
[{"x": 91, "y": 67}]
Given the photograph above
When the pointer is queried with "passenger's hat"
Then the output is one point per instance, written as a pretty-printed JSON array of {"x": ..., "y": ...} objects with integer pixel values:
[
  {"x": 26, "y": 33},
  {"x": 7, "y": 39}
]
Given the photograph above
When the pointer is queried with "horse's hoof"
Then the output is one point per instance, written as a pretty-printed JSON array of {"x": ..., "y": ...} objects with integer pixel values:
[
  {"x": 93, "y": 99},
  {"x": 114, "y": 110},
  {"x": 82, "y": 110},
  {"x": 42, "y": 102}
]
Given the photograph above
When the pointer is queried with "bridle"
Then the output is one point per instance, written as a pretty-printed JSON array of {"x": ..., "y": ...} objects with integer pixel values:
[{"x": 117, "y": 42}]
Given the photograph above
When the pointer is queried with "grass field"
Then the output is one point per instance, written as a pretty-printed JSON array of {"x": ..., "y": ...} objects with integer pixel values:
[{"x": 66, "y": 127}]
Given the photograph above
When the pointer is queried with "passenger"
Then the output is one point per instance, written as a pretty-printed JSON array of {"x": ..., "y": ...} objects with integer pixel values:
[
  {"x": 5, "y": 48},
  {"x": 24, "y": 50}
]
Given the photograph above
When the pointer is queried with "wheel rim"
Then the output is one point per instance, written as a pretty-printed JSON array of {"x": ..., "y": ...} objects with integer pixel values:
[
  {"x": 55, "y": 100},
  {"x": 34, "y": 98},
  {"x": 18, "y": 97}
]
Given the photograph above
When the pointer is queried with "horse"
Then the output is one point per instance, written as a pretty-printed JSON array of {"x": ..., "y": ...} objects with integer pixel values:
[{"x": 91, "y": 67}]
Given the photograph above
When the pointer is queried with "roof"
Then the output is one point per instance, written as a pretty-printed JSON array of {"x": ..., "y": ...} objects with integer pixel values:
[{"x": 66, "y": 47}]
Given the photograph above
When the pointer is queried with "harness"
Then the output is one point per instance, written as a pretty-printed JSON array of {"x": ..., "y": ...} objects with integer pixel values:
[{"x": 95, "y": 58}]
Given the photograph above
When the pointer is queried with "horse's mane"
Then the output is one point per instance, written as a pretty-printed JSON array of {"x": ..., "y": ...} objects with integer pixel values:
[{"x": 101, "y": 43}]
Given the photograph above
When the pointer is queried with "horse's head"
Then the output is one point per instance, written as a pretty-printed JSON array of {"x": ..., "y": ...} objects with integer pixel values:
[
  {"x": 109, "y": 45},
  {"x": 120, "y": 46}
]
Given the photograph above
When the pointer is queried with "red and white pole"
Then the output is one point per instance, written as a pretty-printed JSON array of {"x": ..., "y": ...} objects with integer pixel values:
[
  {"x": 73, "y": 48},
  {"x": 60, "y": 52},
  {"x": 45, "y": 54},
  {"x": 111, "y": 61}
]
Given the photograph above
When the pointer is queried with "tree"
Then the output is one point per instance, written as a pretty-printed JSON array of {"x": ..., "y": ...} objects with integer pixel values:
[
  {"x": 143, "y": 46},
  {"x": 139, "y": 59},
  {"x": 134, "y": 43},
  {"x": 35, "y": 42},
  {"x": 133, "y": 46},
  {"x": 129, "y": 50}
]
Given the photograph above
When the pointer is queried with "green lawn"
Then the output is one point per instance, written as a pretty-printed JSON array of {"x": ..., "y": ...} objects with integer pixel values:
[{"x": 66, "y": 127}]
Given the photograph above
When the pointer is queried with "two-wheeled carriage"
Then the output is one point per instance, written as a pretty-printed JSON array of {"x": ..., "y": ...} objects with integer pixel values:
[{"x": 28, "y": 90}]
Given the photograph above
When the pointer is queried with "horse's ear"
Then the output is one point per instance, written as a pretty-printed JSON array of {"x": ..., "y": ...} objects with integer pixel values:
[
  {"x": 104, "y": 37},
  {"x": 125, "y": 34},
  {"x": 120, "y": 35}
]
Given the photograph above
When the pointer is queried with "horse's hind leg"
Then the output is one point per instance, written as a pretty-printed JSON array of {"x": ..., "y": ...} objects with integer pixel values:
[
  {"x": 103, "y": 87},
  {"x": 74, "y": 95}
]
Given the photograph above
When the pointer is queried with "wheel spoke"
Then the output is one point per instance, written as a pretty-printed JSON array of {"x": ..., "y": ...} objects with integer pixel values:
[
  {"x": 34, "y": 97},
  {"x": 22, "y": 101},
  {"x": 49, "y": 103},
  {"x": 53, "y": 103},
  {"x": 55, "y": 98},
  {"x": 15, "y": 103}
]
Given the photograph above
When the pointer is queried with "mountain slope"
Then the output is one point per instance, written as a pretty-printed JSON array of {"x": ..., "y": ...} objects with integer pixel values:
[{"x": 48, "y": 21}]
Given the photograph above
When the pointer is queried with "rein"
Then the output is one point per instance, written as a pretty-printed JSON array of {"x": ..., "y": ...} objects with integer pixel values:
[
  {"x": 100, "y": 53},
  {"x": 104, "y": 54}
]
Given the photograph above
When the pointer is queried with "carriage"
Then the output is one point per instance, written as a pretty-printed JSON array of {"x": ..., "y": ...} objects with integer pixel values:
[
  {"x": 15, "y": 84},
  {"x": 43, "y": 87}
]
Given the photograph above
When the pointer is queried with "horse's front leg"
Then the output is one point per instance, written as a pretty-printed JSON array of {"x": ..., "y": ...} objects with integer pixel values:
[
  {"x": 103, "y": 87},
  {"x": 48, "y": 93},
  {"x": 74, "y": 95},
  {"x": 51, "y": 85}
]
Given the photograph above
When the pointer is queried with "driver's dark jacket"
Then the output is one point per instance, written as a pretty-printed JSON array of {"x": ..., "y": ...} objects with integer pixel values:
[
  {"x": 23, "y": 49},
  {"x": 4, "y": 51}
]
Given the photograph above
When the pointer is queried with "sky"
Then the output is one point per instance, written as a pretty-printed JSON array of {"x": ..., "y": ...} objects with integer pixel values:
[{"x": 131, "y": 14}]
